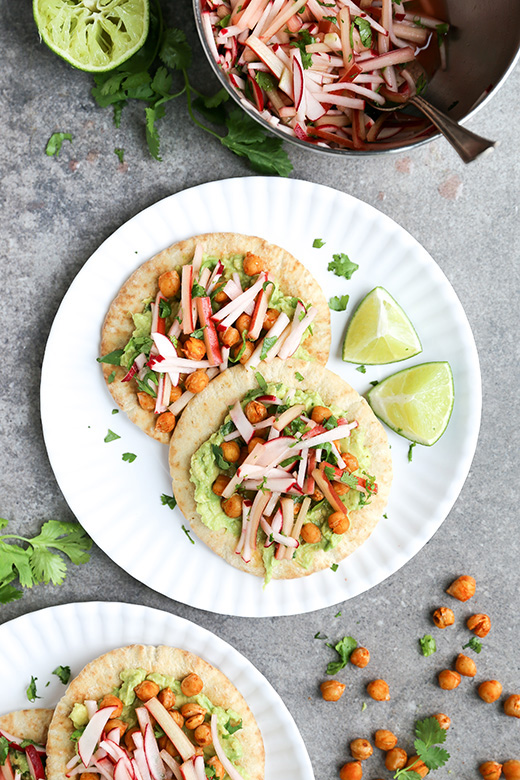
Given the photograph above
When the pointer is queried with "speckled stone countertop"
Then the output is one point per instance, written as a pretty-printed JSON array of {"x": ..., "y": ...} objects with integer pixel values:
[{"x": 56, "y": 212}]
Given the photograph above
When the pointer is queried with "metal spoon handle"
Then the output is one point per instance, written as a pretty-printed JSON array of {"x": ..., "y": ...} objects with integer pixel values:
[{"x": 468, "y": 145}]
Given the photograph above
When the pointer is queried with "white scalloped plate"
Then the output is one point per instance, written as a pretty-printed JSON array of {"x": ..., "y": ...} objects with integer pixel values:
[
  {"x": 74, "y": 634},
  {"x": 119, "y": 502}
]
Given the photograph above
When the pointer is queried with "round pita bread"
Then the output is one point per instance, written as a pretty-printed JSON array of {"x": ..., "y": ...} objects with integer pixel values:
[
  {"x": 294, "y": 280},
  {"x": 27, "y": 724},
  {"x": 101, "y": 676},
  {"x": 207, "y": 412}
]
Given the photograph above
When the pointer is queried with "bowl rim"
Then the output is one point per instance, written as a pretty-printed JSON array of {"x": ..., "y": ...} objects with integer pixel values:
[{"x": 274, "y": 130}]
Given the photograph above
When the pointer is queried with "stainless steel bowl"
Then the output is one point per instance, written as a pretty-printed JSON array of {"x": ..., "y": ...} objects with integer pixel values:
[{"x": 483, "y": 49}]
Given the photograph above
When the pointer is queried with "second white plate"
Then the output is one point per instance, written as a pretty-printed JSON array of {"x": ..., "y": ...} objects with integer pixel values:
[{"x": 119, "y": 502}]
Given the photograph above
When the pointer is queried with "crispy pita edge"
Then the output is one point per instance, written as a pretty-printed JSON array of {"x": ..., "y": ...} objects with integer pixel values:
[
  {"x": 101, "y": 676},
  {"x": 28, "y": 724},
  {"x": 213, "y": 405},
  {"x": 294, "y": 279}
]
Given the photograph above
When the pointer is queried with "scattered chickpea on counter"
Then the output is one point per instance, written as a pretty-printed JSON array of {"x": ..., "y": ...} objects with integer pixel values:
[
  {"x": 352, "y": 770},
  {"x": 332, "y": 690},
  {"x": 443, "y": 617},
  {"x": 396, "y": 759},
  {"x": 361, "y": 749},
  {"x": 385, "y": 740},
  {"x": 511, "y": 769},
  {"x": 465, "y": 666},
  {"x": 360, "y": 657},
  {"x": 490, "y": 691},
  {"x": 490, "y": 770},
  {"x": 416, "y": 765},
  {"x": 443, "y": 720},
  {"x": 512, "y": 705},
  {"x": 378, "y": 690},
  {"x": 463, "y": 588},
  {"x": 479, "y": 624},
  {"x": 448, "y": 679}
]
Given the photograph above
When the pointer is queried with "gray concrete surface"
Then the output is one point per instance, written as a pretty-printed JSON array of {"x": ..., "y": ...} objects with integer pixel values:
[{"x": 54, "y": 213}]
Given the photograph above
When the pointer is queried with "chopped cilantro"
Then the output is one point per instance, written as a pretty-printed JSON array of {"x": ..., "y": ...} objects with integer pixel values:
[
  {"x": 331, "y": 19},
  {"x": 226, "y": 428},
  {"x": 112, "y": 358},
  {"x": 220, "y": 460},
  {"x": 341, "y": 265},
  {"x": 187, "y": 533},
  {"x": 110, "y": 379},
  {"x": 224, "y": 21},
  {"x": 319, "y": 635},
  {"x": 374, "y": 382},
  {"x": 168, "y": 501},
  {"x": 31, "y": 690},
  {"x": 361, "y": 369},
  {"x": 129, "y": 457},
  {"x": 299, "y": 377},
  {"x": 242, "y": 349},
  {"x": 210, "y": 772},
  {"x": 410, "y": 451},
  {"x": 265, "y": 81},
  {"x": 428, "y": 645},
  {"x": 4, "y": 750},
  {"x": 197, "y": 291},
  {"x": 165, "y": 309},
  {"x": 338, "y": 614},
  {"x": 365, "y": 31},
  {"x": 442, "y": 29},
  {"x": 304, "y": 39},
  {"x": 63, "y": 674},
  {"x": 144, "y": 384},
  {"x": 199, "y": 333},
  {"x": 120, "y": 154},
  {"x": 111, "y": 436},
  {"x": 115, "y": 411},
  {"x": 344, "y": 648},
  {"x": 474, "y": 644},
  {"x": 289, "y": 460},
  {"x": 267, "y": 344},
  {"x": 363, "y": 706},
  {"x": 262, "y": 384},
  {"x": 338, "y": 303},
  {"x": 334, "y": 567},
  {"x": 54, "y": 143},
  {"x": 385, "y": 516},
  {"x": 318, "y": 243},
  {"x": 231, "y": 728}
]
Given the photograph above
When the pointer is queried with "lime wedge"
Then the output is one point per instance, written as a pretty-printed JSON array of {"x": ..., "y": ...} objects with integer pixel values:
[
  {"x": 416, "y": 402},
  {"x": 380, "y": 332},
  {"x": 93, "y": 35}
]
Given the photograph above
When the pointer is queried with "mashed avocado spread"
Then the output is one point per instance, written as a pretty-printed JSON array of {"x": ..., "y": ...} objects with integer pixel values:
[{"x": 204, "y": 471}]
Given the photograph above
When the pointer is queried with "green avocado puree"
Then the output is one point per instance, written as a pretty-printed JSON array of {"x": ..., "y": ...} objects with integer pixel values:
[{"x": 204, "y": 471}]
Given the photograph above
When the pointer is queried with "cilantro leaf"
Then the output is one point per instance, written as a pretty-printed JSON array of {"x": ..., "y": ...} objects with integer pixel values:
[
  {"x": 341, "y": 265},
  {"x": 220, "y": 460},
  {"x": 165, "y": 309},
  {"x": 9, "y": 593},
  {"x": 212, "y": 106},
  {"x": 361, "y": 369},
  {"x": 474, "y": 644},
  {"x": 110, "y": 379},
  {"x": 187, "y": 533},
  {"x": 267, "y": 344},
  {"x": 230, "y": 728},
  {"x": 175, "y": 50},
  {"x": 197, "y": 291},
  {"x": 318, "y": 243},
  {"x": 210, "y": 772},
  {"x": 299, "y": 377},
  {"x": 365, "y": 31},
  {"x": 247, "y": 139},
  {"x": 410, "y": 451},
  {"x": 111, "y": 436},
  {"x": 168, "y": 501},
  {"x": 63, "y": 674},
  {"x": 265, "y": 80},
  {"x": 55, "y": 142},
  {"x": 338, "y": 303},
  {"x": 428, "y": 645},
  {"x": 262, "y": 384},
  {"x": 112, "y": 358},
  {"x": 344, "y": 649},
  {"x": 129, "y": 457},
  {"x": 304, "y": 39},
  {"x": 319, "y": 635},
  {"x": 120, "y": 154},
  {"x": 430, "y": 732},
  {"x": 434, "y": 757},
  {"x": 442, "y": 29},
  {"x": 31, "y": 690},
  {"x": 334, "y": 567},
  {"x": 4, "y": 750}
]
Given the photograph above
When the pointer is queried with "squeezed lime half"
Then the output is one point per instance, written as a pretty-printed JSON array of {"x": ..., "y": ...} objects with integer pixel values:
[
  {"x": 380, "y": 332},
  {"x": 93, "y": 35},
  {"x": 416, "y": 402}
]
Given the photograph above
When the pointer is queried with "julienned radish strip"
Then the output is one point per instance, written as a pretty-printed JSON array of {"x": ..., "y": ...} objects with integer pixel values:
[
  {"x": 288, "y": 416},
  {"x": 172, "y": 764},
  {"x": 259, "y": 504},
  {"x": 298, "y": 525},
  {"x": 292, "y": 342},
  {"x": 281, "y": 19},
  {"x": 328, "y": 491},
  {"x": 335, "y": 434},
  {"x": 210, "y": 334},
  {"x": 282, "y": 321},
  {"x": 239, "y": 304},
  {"x": 186, "y": 300},
  {"x": 242, "y": 423},
  {"x": 170, "y": 728},
  {"x": 396, "y": 57},
  {"x": 288, "y": 522},
  {"x": 246, "y": 508},
  {"x": 224, "y": 760},
  {"x": 92, "y": 734}
]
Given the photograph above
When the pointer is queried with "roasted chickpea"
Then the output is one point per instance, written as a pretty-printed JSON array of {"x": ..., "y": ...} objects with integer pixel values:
[
  {"x": 448, "y": 679},
  {"x": 169, "y": 283},
  {"x": 350, "y": 461},
  {"x": 479, "y": 624},
  {"x": 310, "y": 533},
  {"x": 89, "y": 776},
  {"x": 194, "y": 349},
  {"x": 512, "y": 705},
  {"x": 361, "y": 749},
  {"x": 252, "y": 444},
  {"x": 352, "y": 770},
  {"x": 129, "y": 739},
  {"x": 165, "y": 422},
  {"x": 378, "y": 690},
  {"x": 115, "y": 723},
  {"x": 112, "y": 701},
  {"x": 465, "y": 666},
  {"x": 443, "y": 720},
  {"x": 360, "y": 657},
  {"x": 244, "y": 452},
  {"x": 489, "y": 691},
  {"x": 232, "y": 506},
  {"x": 385, "y": 740},
  {"x": 255, "y": 412},
  {"x": 192, "y": 685},
  {"x": 416, "y": 765},
  {"x": 249, "y": 348},
  {"x": 202, "y": 735},
  {"x": 443, "y": 617},
  {"x": 270, "y": 318},
  {"x": 147, "y": 403},
  {"x": 338, "y": 522},
  {"x": 230, "y": 337},
  {"x": 511, "y": 769},
  {"x": 332, "y": 690},
  {"x": 146, "y": 690},
  {"x": 221, "y": 297},
  {"x": 179, "y": 720},
  {"x": 165, "y": 743},
  {"x": 320, "y": 413},
  {"x": 175, "y": 393},
  {"x": 396, "y": 759},
  {"x": 252, "y": 264},
  {"x": 197, "y": 381},
  {"x": 243, "y": 323},
  {"x": 194, "y": 722},
  {"x": 217, "y": 767},
  {"x": 340, "y": 488},
  {"x": 220, "y": 484},
  {"x": 230, "y": 451},
  {"x": 317, "y": 495},
  {"x": 167, "y": 698},
  {"x": 190, "y": 709},
  {"x": 490, "y": 770},
  {"x": 463, "y": 588}
]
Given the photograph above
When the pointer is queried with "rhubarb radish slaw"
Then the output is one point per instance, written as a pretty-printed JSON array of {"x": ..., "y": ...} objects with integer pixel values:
[
  {"x": 153, "y": 713},
  {"x": 197, "y": 308},
  {"x": 26, "y": 734},
  {"x": 312, "y": 479},
  {"x": 318, "y": 71}
]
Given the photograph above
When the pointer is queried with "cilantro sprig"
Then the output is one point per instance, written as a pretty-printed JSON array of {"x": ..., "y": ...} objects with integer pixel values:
[
  {"x": 342, "y": 265},
  {"x": 344, "y": 648},
  {"x": 38, "y": 560},
  {"x": 429, "y": 735},
  {"x": 159, "y": 74}
]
